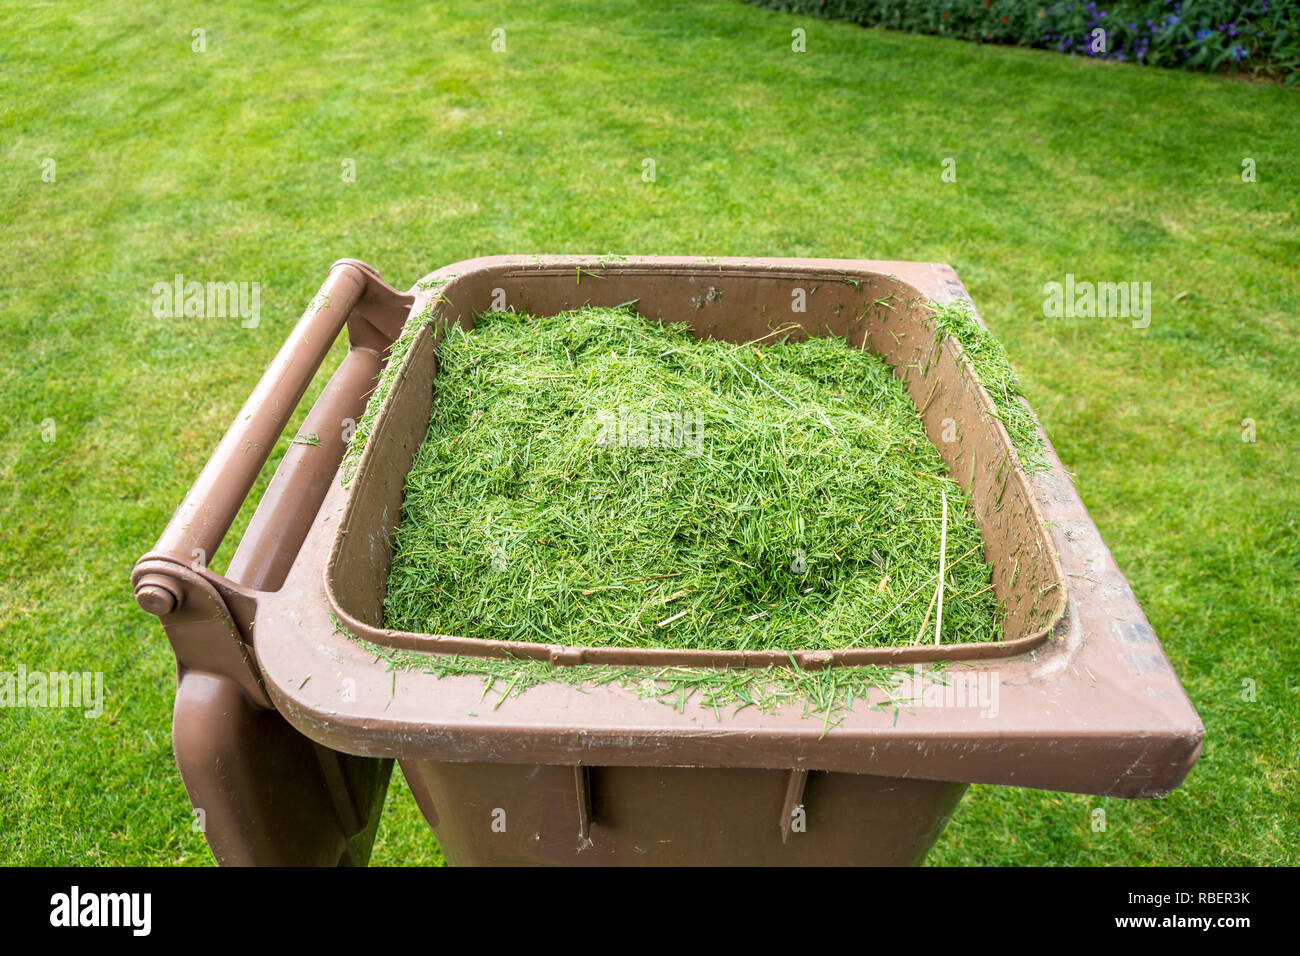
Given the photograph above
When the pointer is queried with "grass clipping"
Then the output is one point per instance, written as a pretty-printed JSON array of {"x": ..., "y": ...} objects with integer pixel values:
[{"x": 594, "y": 478}]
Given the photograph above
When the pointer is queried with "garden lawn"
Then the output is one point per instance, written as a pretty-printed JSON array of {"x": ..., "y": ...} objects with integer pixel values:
[{"x": 228, "y": 165}]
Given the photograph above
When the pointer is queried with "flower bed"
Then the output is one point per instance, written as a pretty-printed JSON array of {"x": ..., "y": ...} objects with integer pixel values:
[{"x": 1258, "y": 36}]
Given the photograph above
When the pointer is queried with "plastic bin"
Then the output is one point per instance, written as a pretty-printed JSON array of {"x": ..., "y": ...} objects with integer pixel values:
[{"x": 285, "y": 727}]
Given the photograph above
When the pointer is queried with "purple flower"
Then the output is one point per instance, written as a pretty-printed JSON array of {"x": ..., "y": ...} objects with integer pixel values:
[{"x": 1240, "y": 53}]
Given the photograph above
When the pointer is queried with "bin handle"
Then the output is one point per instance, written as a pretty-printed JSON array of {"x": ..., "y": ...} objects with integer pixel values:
[{"x": 209, "y": 508}]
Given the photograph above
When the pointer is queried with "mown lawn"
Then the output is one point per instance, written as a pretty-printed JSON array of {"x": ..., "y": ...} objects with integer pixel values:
[{"x": 227, "y": 165}]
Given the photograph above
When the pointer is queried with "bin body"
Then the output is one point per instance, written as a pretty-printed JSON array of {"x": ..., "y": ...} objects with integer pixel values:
[
  {"x": 568, "y": 774},
  {"x": 494, "y": 813}
]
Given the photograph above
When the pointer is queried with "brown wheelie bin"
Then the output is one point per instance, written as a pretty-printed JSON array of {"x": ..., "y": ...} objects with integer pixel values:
[{"x": 286, "y": 723}]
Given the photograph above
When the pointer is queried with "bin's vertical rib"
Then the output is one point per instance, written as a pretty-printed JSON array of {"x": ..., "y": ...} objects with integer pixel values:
[
  {"x": 582, "y": 787},
  {"x": 204, "y": 517},
  {"x": 345, "y": 804},
  {"x": 793, "y": 801}
]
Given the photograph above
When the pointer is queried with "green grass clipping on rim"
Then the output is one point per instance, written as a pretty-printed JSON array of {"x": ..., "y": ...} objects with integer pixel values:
[{"x": 594, "y": 478}]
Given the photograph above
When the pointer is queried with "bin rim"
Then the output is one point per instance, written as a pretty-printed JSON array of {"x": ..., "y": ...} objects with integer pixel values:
[
  {"x": 912, "y": 277},
  {"x": 1095, "y": 707}
]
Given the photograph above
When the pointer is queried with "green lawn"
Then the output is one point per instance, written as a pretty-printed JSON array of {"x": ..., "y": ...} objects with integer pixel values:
[{"x": 226, "y": 165}]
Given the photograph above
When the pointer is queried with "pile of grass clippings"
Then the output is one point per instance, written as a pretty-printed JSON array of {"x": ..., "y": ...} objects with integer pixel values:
[{"x": 595, "y": 478}]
